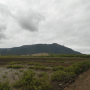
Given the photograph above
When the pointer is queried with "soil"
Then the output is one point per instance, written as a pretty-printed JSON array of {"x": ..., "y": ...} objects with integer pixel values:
[{"x": 82, "y": 82}]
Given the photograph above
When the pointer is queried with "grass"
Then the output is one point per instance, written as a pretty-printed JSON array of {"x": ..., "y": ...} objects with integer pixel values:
[{"x": 15, "y": 66}]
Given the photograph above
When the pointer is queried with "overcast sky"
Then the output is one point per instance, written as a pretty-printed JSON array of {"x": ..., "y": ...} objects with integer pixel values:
[{"x": 26, "y": 22}]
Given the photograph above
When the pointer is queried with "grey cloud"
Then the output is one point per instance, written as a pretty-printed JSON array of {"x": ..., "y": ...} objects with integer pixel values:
[
  {"x": 29, "y": 20},
  {"x": 2, "y": 27},
  {"x": 2, "y": 36},
  {"x": 4, "y": 10},
  {"x": 4, "y": 13}
]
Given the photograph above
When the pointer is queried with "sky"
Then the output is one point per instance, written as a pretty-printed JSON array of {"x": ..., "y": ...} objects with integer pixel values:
[{"x": 26, "y": 22}]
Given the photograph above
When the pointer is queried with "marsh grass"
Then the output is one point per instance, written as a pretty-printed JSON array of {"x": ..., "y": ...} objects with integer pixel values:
[{"x": 15, "y": 66}]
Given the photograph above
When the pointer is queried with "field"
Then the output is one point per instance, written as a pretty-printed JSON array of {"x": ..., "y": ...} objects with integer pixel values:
[{"x": 40, "y": 73}]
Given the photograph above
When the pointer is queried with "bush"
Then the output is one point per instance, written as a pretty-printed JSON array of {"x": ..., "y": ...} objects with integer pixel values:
[
  {"x": 41, "y": 68},
  {"x": 38, "y": 64},
  {"x": 29, "y": 82},
  {"x": 42, "y": 74},
  {"x": 9, "y": 66},
  {"x": 51, "y": 61},
  {"x": 15, "y": 66},
  {"x": 61, "y": 61},
  {"x": 5, "y": 86},
  {"x": 61, "y": 75},
  {"x": 79, "y": 67},
  {"x": 31, "y": 67},
  {"x": 58, "y": 68},
  {"x": 30, "y": 63},
  {"x": 12, "y": 63}
]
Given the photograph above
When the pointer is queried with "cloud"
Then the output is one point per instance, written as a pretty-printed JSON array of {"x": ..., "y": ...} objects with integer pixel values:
[
  {"x": 29, "y": 20},
  {"x": 4, "y": 10},
  {"x": 2, "y": 27},
  {"x": 2, "y": 36},
  {"x": 4, "y": 16},
  {"x": 67, "y": 22}
]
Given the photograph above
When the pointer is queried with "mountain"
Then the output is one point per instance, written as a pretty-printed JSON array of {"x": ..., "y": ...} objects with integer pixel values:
[{"x": 38, "y": 48}]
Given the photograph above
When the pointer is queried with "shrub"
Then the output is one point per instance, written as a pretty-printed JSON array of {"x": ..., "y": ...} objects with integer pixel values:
[
  {"x": 58, "y": 68},
  {"x": 61, "y": 75},
  {"x": 9, "y": 66},
  {"x": 30, "y": 63},
  {"x": 79, "y": 67},
  {"x": 41, "y": 68},
  {"x": 31, "y": 67},
  {"x": 29, "y": 82},
  {"x": 51, "y": 61},
  {"x": 17, "y": 66},
  {"x": 21, "y": 70},
  {"x": 38, "y": 64},
  {"x": 42, "y": 74},
  {"x": 4, "y": 86},
  {"x": 12, "y": 63},
  {"x": 52, "y": 65},
  {"x": 61, "y": 61}
]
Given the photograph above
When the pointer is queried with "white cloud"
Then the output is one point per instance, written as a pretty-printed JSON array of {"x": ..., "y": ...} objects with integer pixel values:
[
  {"x": 61, "y": 21},
  {"x": 29, "y": 20}
]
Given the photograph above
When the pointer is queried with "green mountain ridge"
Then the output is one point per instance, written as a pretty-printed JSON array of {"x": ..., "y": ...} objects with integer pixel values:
[{"x": 38, "y": 48}]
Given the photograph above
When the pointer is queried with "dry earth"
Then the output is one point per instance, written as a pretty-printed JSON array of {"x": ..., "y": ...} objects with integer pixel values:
[{"x": 81, "y": 83}]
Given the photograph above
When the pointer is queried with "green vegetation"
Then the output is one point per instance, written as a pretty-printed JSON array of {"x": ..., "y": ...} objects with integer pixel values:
[
  {"x": 61, "y": 61},
  {"x": 29, "y": 82},
  {"x": 30, "y": 63},
  {"x": 58, "y": 68},
  {"x": 38, "y": 64},
  {"x": 42, "y": 74},
  {"x": 4, "y": 86},
  {"x": 43, "y": 77},
  {"x": 62, "y": 75},
  {"x": 4, "y": 76},
  {"x": 51, "y": 61},
  {"x": 41, "y": 68},
  {"x": 31, "y": 67},
  {"x": 21, "y": 70},
  {"x": 79, "y": 67},
  {"x": 15, "y": 66},
  {"x": 70, "y": 72}
]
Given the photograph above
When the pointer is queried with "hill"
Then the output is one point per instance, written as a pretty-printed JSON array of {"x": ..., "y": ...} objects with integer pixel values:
[{"x": 38, "y": 48}]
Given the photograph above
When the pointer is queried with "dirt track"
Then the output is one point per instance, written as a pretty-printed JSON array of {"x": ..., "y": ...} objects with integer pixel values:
[{"x": 81, "y": 83}]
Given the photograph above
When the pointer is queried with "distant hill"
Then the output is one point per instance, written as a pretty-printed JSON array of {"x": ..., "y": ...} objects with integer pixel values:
[{"x": 38, "y": 48}]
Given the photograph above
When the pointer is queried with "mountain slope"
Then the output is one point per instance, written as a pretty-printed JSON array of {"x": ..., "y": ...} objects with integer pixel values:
[{"x": 38, "y": 48}]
